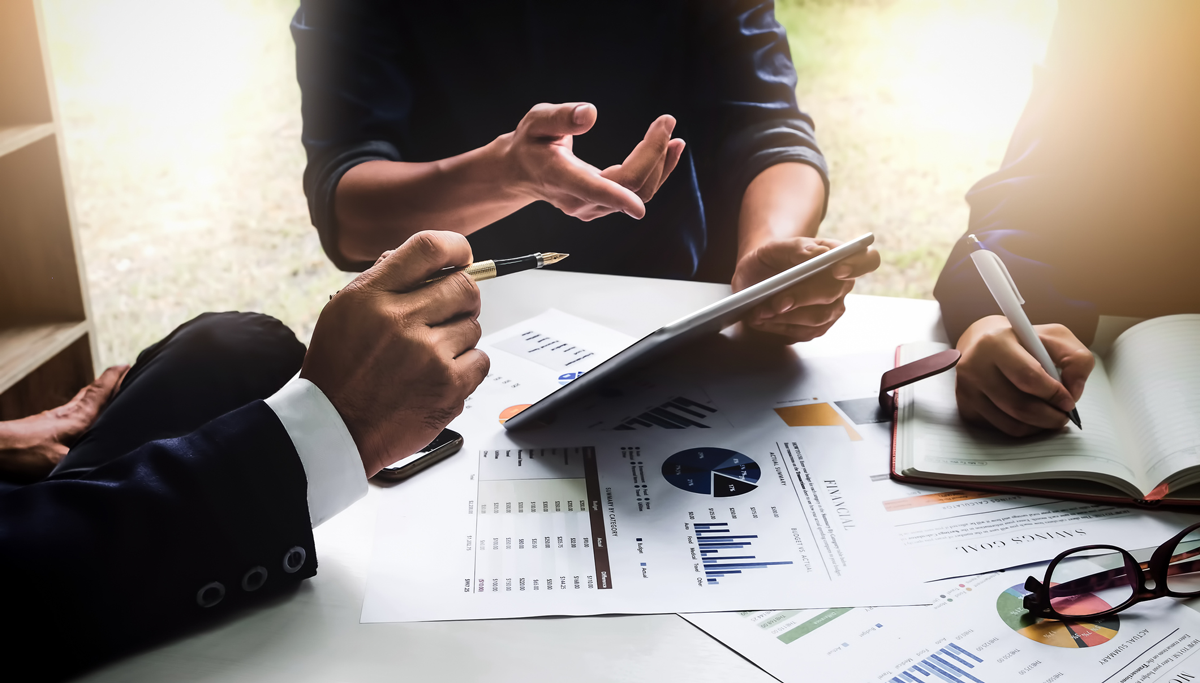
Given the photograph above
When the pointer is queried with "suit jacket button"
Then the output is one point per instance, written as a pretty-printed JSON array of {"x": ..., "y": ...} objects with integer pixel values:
[
  {"x": 293, "y": 559},
  {"x": 210, "y": 594},
  {"x": 254, "y": 579}
]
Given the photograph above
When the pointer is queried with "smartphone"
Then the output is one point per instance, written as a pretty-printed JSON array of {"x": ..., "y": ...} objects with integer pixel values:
[{"x": 445, "y": 445}]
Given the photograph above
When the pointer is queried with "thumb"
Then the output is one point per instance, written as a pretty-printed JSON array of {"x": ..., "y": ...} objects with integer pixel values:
[
  {"x": 780, "y": 255},
  {"x": 554, "y": 120},
  {"x": 1075, "y": 362}
]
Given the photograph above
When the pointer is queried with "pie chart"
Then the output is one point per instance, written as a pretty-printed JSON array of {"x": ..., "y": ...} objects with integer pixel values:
[
  {"x": 717, "y": 472},
  {"x": 1069, "y": 634}
]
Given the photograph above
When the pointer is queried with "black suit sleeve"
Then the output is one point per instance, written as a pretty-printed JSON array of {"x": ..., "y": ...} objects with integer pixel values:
[{"x": 159, "y": 540}]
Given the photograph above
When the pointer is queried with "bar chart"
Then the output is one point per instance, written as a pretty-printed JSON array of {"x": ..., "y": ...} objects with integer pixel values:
[
  {"x": 725, "y": 554},
  {"x": 678, "y": 412},
  {"x": 951, "y": 664}
]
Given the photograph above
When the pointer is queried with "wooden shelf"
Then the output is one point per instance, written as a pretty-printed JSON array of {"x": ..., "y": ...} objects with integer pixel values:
[
  {"x": 42, "y": 364},
  {"x": 24, "y": 348},
  {"x": 13, "y": 138}
]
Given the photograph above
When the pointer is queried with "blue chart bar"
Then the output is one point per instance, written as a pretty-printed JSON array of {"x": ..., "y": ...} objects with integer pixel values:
[
  {"x": 949, "y": 664},
  {"x": 715, "y": 539}
]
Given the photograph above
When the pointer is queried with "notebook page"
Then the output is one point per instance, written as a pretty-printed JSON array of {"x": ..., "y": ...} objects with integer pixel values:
[
  {"x": 1155, "y": 372},
  {"x": 941, "y": 442}
]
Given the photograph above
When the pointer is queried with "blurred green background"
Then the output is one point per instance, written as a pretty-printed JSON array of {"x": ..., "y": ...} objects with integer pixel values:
[{"x": 182, "y": 124}]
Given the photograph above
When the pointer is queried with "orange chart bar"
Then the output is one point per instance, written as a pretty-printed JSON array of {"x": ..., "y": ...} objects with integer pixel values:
[
  {"x": 933, "y": 499},
  {"x": 816, "y": 415}
]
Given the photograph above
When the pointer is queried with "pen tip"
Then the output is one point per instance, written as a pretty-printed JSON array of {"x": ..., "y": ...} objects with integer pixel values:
[
  {"x": 1075, "y": 418},
  {"x": 553, "y": 257}
]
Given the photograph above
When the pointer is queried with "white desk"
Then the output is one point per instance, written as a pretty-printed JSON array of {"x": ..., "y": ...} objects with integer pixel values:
[{"x": 314, "y": 634}]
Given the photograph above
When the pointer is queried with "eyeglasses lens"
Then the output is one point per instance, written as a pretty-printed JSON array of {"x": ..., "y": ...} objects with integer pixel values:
[
  {"x": 1085, "y": 585},
  {"x": 1183, "y": 573}
]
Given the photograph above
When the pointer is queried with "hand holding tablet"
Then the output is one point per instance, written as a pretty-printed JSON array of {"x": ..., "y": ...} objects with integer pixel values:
[{"x": 710, "y": 319}]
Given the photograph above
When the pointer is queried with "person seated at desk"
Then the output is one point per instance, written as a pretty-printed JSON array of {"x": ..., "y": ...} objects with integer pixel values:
[
  {"x": 1095, "y": 211},
  {"x": 409, "y": 111},
  {"x": 195, "y": 492}
]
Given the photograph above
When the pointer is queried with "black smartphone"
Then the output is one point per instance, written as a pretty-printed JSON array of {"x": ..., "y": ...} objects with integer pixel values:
[{"x": 446, "y": 444}]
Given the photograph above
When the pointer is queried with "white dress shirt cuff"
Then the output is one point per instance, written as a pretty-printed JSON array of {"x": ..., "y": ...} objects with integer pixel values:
[{"x": 326, "y": 449}]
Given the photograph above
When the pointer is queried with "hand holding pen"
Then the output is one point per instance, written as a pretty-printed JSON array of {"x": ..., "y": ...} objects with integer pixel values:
[
  {"x": 1020, "y": 378},
  {"x": 493, "y": 268}
]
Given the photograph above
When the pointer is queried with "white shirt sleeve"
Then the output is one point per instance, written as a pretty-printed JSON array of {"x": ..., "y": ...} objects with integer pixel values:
[{"x": 331, "y": 461}]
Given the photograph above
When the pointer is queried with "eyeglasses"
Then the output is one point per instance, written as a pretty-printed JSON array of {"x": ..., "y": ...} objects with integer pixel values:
[{"x": 1099, "y": 580}]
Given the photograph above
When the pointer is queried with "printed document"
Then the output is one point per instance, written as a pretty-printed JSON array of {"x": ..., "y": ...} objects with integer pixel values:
[
  {"x": 624, "y": 520},
  {"x": 976, "y": 631}
]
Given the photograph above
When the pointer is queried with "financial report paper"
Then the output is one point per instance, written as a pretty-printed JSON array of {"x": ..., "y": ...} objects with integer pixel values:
[
  {"x": 622, "y": 520},
  {"x": 976, "y": 631},
  {"x": 954, "y": 532}
]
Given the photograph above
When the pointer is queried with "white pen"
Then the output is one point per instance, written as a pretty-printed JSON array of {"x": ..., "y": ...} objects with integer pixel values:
[{"x": 1000, "y": 283}]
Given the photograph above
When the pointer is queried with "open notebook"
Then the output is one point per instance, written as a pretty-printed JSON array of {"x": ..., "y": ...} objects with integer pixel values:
[{"x": 1140, "y": 442}]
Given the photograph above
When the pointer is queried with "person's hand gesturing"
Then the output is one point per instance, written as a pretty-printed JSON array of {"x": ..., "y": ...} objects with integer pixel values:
[
  {"x": 396, "y": 357},
  {"x": 544, "y": 167}
]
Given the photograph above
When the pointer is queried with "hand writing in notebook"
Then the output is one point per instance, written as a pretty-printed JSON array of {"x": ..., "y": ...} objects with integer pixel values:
[{"x": 1002, "y": 385}]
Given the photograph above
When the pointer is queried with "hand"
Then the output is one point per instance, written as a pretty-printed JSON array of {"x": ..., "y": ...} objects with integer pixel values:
[
  {"x": 808, "y": 309},
  {"x": 544, "y": 166},
  {"x": 1000, "y": 384},
  {"x": 32, "y": 446},
  {"x": 397, "y": 358}
]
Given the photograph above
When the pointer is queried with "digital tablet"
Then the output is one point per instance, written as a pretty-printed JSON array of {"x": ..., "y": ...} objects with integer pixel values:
[{"x": 708, "y": 320}]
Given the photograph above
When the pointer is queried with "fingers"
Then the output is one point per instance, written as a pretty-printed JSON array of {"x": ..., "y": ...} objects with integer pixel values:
[
  {"x": 1024, "y": 373},
  {"x": 554, "y": 120},
  {"x": 93, "y": 397},
  {"x": 643, "y": 168},
  {"x": 473, "y": 366},
  {"x": 594, "y": 189},
  {"x": 1020, "y": 405},
  {"x": 1075, "y": 362},
  {"x": 383, "y": 256},
  {"x": 458, "y": 336},
  {"x": 817, "y": 291},
  {"x": 858, "y": 265},
  {"x": 446, "y": 300},
  {"x": 977, "y": 408},
  {"x": 790, "y": 334},
  {"x": 778, "y": 256},
  {"x": 420, "y": 257},
  {"x": 674, "y": 152},
  {"x": 814, "y": 315}
]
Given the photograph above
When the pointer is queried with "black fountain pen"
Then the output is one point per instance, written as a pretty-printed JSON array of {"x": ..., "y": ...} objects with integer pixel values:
[{"x": 486, "y": 270}]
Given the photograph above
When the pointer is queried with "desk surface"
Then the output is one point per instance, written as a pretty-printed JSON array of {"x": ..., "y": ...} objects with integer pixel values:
[{"x": 314, "y": 634}]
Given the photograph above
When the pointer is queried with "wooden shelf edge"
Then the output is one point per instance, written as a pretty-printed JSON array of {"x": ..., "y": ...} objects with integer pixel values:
[
  {"x": 25, "y": 348},
  {"x": 14, "y": 137}
]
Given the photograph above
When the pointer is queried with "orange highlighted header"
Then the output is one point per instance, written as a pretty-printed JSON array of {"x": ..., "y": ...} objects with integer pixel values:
[
  {"x": 816, "y": 415},
  {"x": 934, "y": 499}
]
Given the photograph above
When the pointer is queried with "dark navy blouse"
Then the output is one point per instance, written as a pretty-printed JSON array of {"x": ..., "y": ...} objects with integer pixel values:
[
  {"x": 1096, "y": 208},
  {"x": 420, "y": 81}
]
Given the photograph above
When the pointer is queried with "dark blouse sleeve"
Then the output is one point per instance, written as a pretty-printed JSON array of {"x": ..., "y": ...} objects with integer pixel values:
[
  {"x": 1024, "y": 210},
  {"x": 1012, "y": 213},
  {"x": 353, "y": 94},
  {"x": 746, "y": 92}
]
